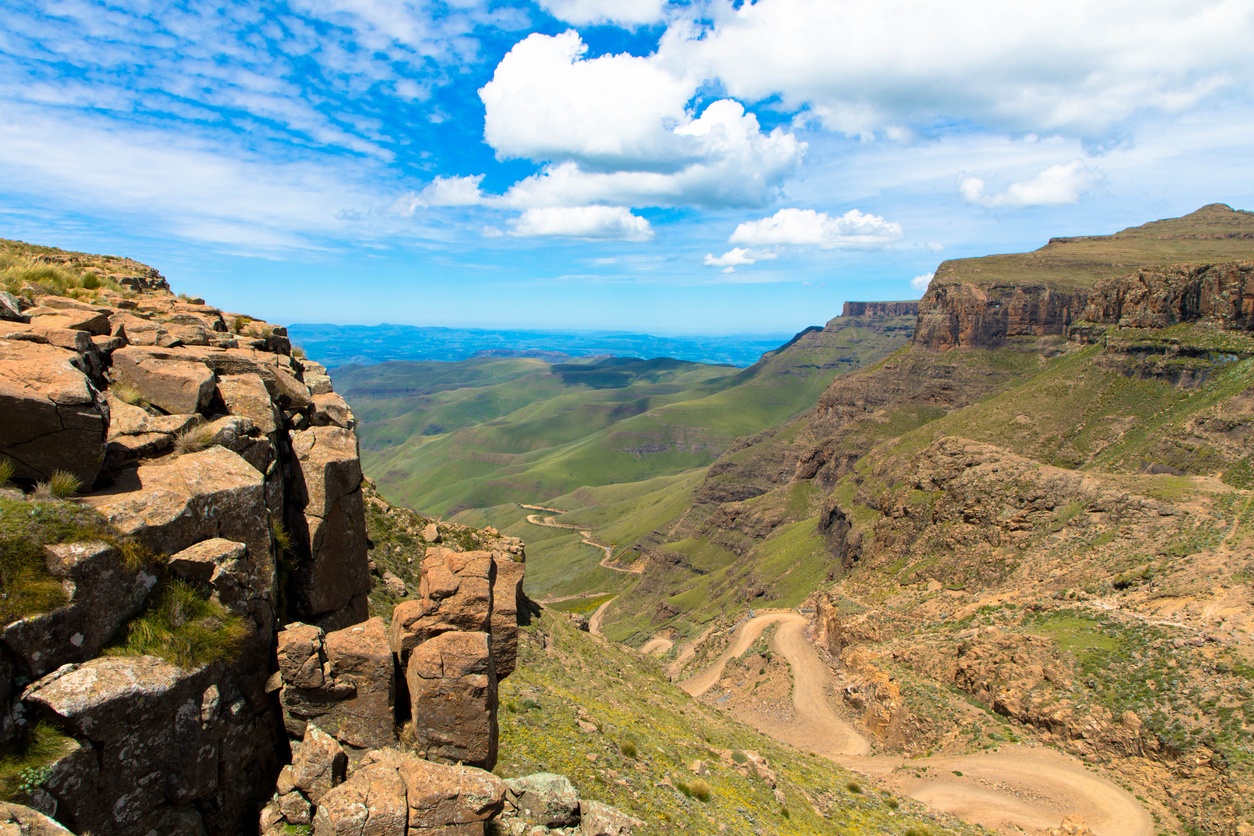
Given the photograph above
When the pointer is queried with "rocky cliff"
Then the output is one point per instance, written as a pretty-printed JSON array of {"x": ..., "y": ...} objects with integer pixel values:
[
  {"x": 908, "y": 308},
  {"x": 1177, "y": 270},
  {"x": 186, "y": 564}
]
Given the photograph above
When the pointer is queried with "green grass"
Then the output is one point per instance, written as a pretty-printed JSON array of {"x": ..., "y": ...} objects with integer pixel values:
[
  {"x": 50, "y": 270},
  {"x": 183, "y": 626},
  {"x": 24, "y": 765},
  {"x": 650, "y": 730},
  {"x": 1210, "y": 235},
  {"x": 26, "y": 525},
  {"x": 7, "y": 469}
]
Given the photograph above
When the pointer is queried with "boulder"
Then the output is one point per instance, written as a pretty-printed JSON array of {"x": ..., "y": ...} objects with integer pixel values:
[
  {"x": 319, "y": 384},
  {"x": 170, "y": 750},
  {"x": 453, "y": 699},
  {"x": 360, "y": 657},
  {"x": 544, "y": 799},
  {"x": 506, "y": 594},
  {"x": 176, "y": 503},
  {"x": 330, "y": 410},
  {"x": 16, "y": 820},
  {"x": 455, "y": 595},
  {"x": 220, "y": 563},
  {"x": 51, "y": 417},
  {"x": 441, "y": 799},
  {"x": 11, "y": 308},
  {"x": 597, "y": 819},
  {"x": 72, "y": 320},
  {"x": 319, "y": 764},
  {"x": 371, "y": 803},
  {"x": 327, "y": 483},
  {"x": 344, "y": 681},
  {"x": 104, "y": 594},
  {"x": 246, "y": 395},
  {"x": 166, "y": 380}
]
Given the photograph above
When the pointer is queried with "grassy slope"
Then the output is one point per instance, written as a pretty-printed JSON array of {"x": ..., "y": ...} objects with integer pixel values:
[
  {"x": 564, "y": 676},
  {"x": 446, "y": 437},
  {"x": 1212, "y": 233}
]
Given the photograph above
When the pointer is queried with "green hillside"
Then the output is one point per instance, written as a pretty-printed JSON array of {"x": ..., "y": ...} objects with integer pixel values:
[{"x": 485, "y": 432}]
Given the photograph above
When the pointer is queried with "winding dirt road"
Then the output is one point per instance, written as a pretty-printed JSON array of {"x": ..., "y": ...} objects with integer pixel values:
[
  {"x": 1012, "y": 789},
  {"x": 607, "y": 562}
]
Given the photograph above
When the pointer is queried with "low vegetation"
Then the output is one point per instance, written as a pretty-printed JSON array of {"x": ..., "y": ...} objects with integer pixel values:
[
  {"x": 24, "y": 766},
  {"x": 181, "y": 624}
]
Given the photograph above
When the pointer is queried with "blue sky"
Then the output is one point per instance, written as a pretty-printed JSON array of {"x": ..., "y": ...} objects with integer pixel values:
[{"x": 695, "y": 167}]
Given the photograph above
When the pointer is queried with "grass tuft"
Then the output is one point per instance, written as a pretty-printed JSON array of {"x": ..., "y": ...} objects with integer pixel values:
[
  {"x": 182, "y": 625},
  {"x": 628, "y": 749},
  {"x": 26, "y": 765},
  {"x": 126, "y": 394},
  {"x": 193, "y": 439},
  {"x": 63, "y": 484},
  {"x": 7, "y": 470}
]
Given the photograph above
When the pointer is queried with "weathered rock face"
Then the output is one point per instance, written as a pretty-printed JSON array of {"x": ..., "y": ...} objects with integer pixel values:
[
  {"x": 162, "y": 749},
  {"x": 453, "y": 698},
  {"x": 455, "y": 595},
  {"x": 51, "y": 416},
  {"x": 907, "y": 308},
  {"x": 1221, "y": 294},
  {"x": 963, "y": 315},
  {"x": 201, "y": 440}
]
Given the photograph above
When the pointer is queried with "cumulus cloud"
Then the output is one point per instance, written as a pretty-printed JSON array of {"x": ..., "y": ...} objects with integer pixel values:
[
  {"x": 594, "y": 222},
  {"x": 616, "y": 130},
  {"x": 738, "y": 257},
  {"x": 920, "y": 283},
  {"x": 854, "y": 229},
  {"x": 628, "y": 13},
  {"x": 1054, "y": 186},
  {"x": 1071, "y": 66}
]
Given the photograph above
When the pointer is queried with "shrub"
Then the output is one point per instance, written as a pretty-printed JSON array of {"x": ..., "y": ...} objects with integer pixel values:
[
  {"x": 701, "y": 790},
  {"x": 628, "y": 749},
  {"x": 193, "y": 439},
  {"x": 182, "y": 625},
  {"x": 740, "y": 757},
  {"x": 854, "y": 787},
  {"x": 298, "y": 352}
]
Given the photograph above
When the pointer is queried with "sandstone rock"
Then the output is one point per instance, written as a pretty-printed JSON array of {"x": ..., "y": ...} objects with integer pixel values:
[
  {"x": 395, "y": 586},
  {"x": 453, "y": 698},
  {"x": 170, "y": 751},
  {"x": 330, "y": 410},
  {"x": 302, "y": 656},
  {"x": 319, "y": 764},
  {"x": 455, "y": 595},
  {"x": 360, "y": 657},
  {"x": 246, "y": 395},
  {"x": 11, "y": 308},
  {"x": 164, "y": 379},
  {"x": 104, "y": 595},
  {"x": 16, "y": 820},
  {"x": 958, "y": 314},
  {"x": 371, "y": 803},
  {"x": 432, "y": 533},
  {"x": 443, "y": 799},
  {"x": 506, "y": 594},
  {"x": 545, "y": 799},
  {"x": 220, "y": 563},
  {"x": 295, "y": 808},
  {"x": 51, "y": 417},
  {"x": 597, "y": 819},
  {"x": 328, "y": 485},
  {"x": 319, "y": 384},
  {"x": 176, "y": 503}
]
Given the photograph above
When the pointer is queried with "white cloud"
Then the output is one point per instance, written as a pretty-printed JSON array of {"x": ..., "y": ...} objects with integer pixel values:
[
  {"x": 624, "y": 12},
  {"x": 595, "y": 222},
  {"x": 920, "y": 283},
  {"x": 444, "y": 191},
  {"x": 1054, "y": 186},
  {"x": 1071, "y": 66},
  {"x": 854, "y": 229},
  {"x": 738, "y": 257},
  {"x": 615, "y": 130}
]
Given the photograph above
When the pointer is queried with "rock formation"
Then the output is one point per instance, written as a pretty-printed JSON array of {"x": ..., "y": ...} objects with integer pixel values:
[{"x": 222, "y": 491}]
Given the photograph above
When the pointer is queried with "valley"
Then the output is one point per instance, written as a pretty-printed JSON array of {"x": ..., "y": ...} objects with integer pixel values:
[{"x": 1010, "y": 537}]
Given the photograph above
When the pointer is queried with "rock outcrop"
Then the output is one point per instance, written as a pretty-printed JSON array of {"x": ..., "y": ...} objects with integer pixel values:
[{"x": 906, "y": 308}]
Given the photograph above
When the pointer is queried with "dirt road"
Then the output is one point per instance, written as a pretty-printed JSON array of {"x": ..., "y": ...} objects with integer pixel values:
[
  {"x": 607, "y": 562},
  {"x": 1010, "y": 790}
]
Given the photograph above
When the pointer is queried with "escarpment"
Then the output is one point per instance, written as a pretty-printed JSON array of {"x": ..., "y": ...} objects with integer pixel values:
[{"x": 189, "y": 550}]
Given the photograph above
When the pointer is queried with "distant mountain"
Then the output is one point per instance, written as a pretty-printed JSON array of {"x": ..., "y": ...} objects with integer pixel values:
[{"x": 362, "y": 345}]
